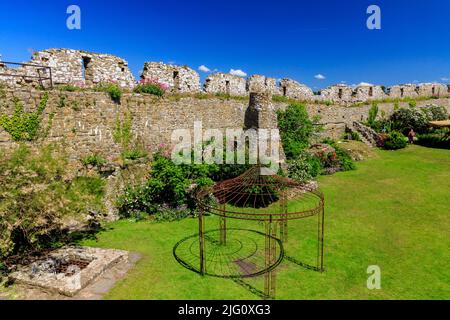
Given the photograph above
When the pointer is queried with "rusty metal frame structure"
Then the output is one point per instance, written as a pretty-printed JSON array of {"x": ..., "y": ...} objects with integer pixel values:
[
  {"x": 38, "y": 68},
  {"x": 270, "y": 189}
]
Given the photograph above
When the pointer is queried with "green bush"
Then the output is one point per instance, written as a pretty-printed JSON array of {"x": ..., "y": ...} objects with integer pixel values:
[
  {"x": 134, "y": 154},
  {"x": 435, "y": 113},
  {"x": 372, "y": 118},
  {"x": 114, "y": 91},
  {"x": 305, "y": 168},
  {"x": 434, "y": 140},
  {"x": 405, "y": 119},
  {"x": 93, "y": 160},
  {"x": 296, "y": 129},
  {"x": 395, "y": 140},
  {"x": 340, "y": 161},
  {"x": 153, "y": 89},
  {"x": 36, "y": 198}
]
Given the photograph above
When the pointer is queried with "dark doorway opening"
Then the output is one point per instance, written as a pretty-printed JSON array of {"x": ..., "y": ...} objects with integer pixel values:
[
  {"x": 284, "y": 91},
  {"x": 340, "y": 93},
  {"x": 88, "y": 75},
  {"x": 227, "y": 87},
  {"x": 176, "y": 80}
]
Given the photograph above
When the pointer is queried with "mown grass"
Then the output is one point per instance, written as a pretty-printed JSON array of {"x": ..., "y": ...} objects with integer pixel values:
[{"x": 392, "y": 212}]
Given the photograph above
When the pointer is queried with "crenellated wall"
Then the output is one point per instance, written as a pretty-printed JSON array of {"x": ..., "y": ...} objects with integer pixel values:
[{"x": 83, "y": 68}]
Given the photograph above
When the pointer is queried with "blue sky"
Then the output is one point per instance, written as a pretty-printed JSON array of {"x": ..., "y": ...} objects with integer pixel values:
[{"x": 295, "y": 39}]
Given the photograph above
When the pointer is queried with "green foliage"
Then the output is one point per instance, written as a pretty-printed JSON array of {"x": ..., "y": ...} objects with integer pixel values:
[
  {"x": 36, "y": 198},
  {"x": 412, "y": 103},
  {"x": 168, "y": 214},
  {"x": 434, "y": 140},
  {"x": 435, "y": 113},
  {"x": 296, "y": 129},
  {"x": 134, "y": 154},
  {"x": 395, "y": 141},
  {"x": 168, "y": 186},
  {"x": 24, "y": 126},
  {"x": 122, "y": 133},
  {"x": 94, "y": 160},
  {"x": 304, "y": 168},
  {"x": 405, "y": 119},
  {"x": 373, "y": 113},
  {"x": 114, "y": 91},
  {"x": 352, "y": 135},
  {"x": 153, "y": 89},
  {"x": 340, "y": 161},
  {"x": 69, "y": 88}
]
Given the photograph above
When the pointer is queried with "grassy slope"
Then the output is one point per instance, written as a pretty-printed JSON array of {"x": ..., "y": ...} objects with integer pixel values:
[{"x": 392, "y": 212}]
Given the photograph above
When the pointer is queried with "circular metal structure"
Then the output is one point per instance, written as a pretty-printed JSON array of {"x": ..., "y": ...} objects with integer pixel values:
[
  {"x": 257, "y": 195},
  {"x": 243, "y": 256}
]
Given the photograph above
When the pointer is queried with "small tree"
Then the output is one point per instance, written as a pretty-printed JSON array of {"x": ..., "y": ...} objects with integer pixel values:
[{"x": 296, "y": 129}]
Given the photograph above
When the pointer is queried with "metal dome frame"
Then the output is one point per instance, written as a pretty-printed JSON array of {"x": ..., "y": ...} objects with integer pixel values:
[{"x": 260, "y": 195}]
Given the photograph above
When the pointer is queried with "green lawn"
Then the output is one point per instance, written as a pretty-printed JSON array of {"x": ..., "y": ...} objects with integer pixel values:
[{"x": 392, "y": 212}]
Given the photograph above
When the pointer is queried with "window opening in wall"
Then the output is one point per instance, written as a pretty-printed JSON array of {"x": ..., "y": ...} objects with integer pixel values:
[
  {"x": 402, "y": 92},
  {"x": 371, "y": 92},
  {"x": 176, "y": 80},
  {"x": 227, "y": 86},
  {"x": 433, "y": 91},
  {"x": 284, "y": 91},
  {"x": 340, "y": 93},
  {"x": 87, "y": 70}
]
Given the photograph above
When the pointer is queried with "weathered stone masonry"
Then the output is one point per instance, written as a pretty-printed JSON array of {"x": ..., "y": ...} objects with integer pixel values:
[
  {"x": 88, "y": 69},
  {"x": 86, "y": 120}
]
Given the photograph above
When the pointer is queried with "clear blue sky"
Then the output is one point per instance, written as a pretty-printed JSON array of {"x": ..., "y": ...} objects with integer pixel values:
[{"x": 296, "y": 39}]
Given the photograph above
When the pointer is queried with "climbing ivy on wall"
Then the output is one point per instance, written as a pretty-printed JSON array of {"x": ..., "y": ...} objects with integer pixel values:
[
  {"x": 21, "y": 125},
  {"x": 122, "y": 132}
]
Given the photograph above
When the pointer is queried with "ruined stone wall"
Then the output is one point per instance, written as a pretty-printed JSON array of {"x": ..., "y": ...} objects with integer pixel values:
[
  {"x": 294, "y": 90},
  {"x": 337, "y": 93},
  {"x": 364, "y": 93},
  {"x": 432, "y": 89},
  {"x": 403, "y": 91},
  {"x": 76, "y": 67},
  {"x": 86, "y": 120},
  {"x": 225, "y": 83},
  {"x": 258, "y": 83},
  {"x": 179, "y": 78}
]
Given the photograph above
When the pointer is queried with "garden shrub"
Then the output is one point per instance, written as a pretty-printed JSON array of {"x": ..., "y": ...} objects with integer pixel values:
[
  {"x": 114, "y": 91},
  {"x": 153, "y": 89},
  {"x": 395, "y": 140},
  {"x": 170, "y": 186},
  {"x": 304, "y": 168},
  {"x": 436, "y": 139},
  {"x": 151, "y": 86},
  {"x": 405, "y": 119},
  {"x": 35, "y": 198},
  {"x": 296, "y": 129},
  {"x": 339, "y": 161},
  {"x": 372, "y": 118},
  {"x": 435, "y": 113}
]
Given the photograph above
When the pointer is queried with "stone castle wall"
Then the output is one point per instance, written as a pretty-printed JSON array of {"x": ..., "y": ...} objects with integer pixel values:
[
  {"x": 179, "y": 79},
  {"x": 83, "y": 68},
  {"x": 225, "y": 83},
  {"x": 86, "y": 120}
]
